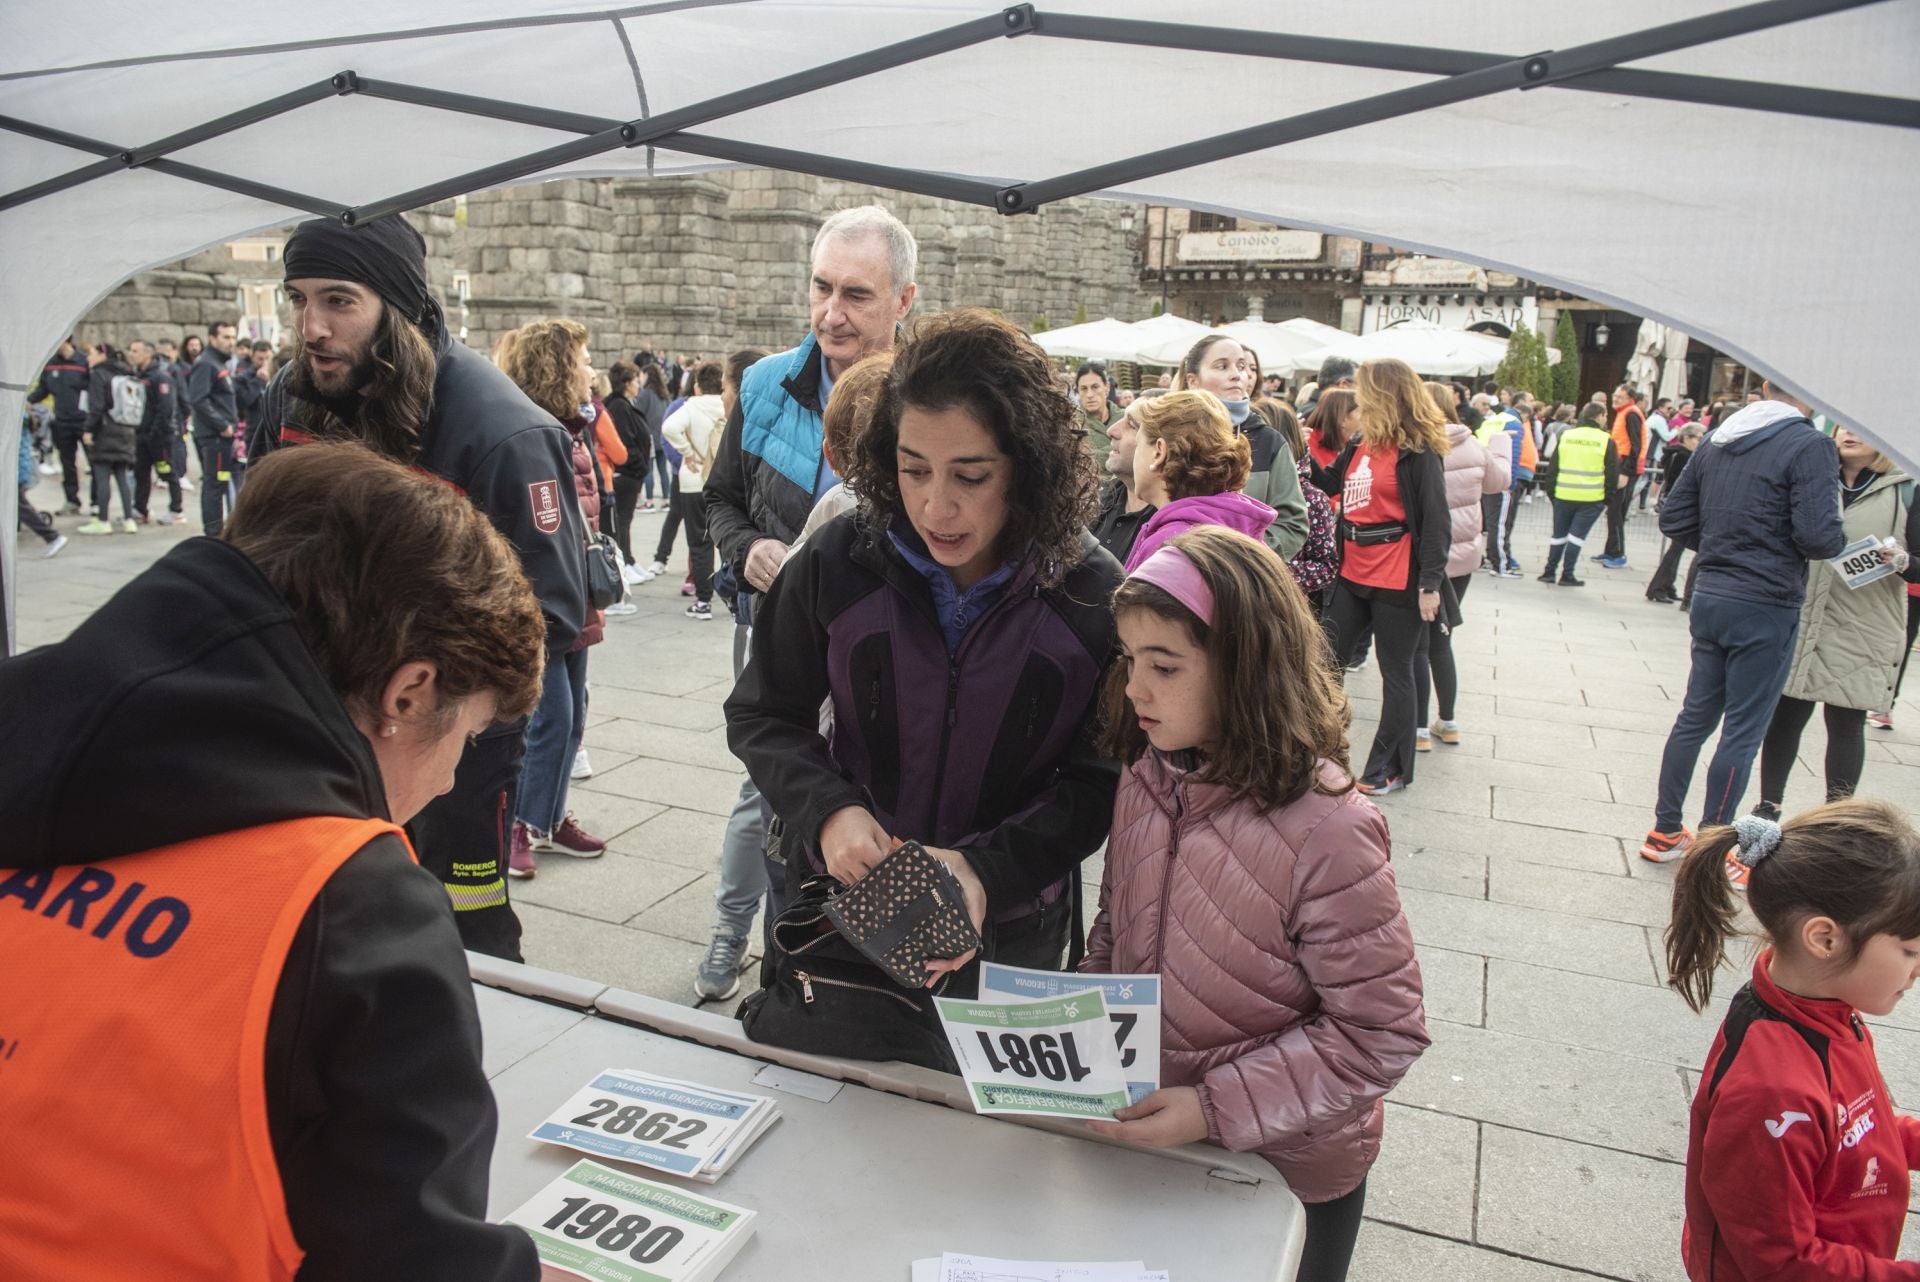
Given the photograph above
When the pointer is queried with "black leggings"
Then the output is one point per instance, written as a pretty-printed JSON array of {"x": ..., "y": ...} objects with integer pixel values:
[
  {"x": 1332, "y": 1228},
  {"x": 1438, "y": 676},
  {"x": 1846, "y": 748},
  {"x": 676, "y": 511},
  {"x": 1399, "y": 643},
  {"x": 626, "y": 497}
]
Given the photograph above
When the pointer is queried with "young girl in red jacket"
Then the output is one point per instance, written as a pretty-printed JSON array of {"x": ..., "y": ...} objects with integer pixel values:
[
  {"x": 1796, "y": 1162},
  {"x": 1247, "y": 872}
]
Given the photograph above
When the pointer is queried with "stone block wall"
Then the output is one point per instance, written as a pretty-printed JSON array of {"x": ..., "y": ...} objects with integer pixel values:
[{"x": 699, "y": 264}]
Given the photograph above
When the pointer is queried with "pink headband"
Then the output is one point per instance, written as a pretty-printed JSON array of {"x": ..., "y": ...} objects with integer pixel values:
[{"x": 1174, "y": 573}]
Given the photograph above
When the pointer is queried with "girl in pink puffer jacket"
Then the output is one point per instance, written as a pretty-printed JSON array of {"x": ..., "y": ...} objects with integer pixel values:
[{"x": 1245, "y": 870}]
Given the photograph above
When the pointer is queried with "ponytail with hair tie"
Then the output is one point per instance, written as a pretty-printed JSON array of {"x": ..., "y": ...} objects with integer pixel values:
[{"x": 1757, "y": 836}]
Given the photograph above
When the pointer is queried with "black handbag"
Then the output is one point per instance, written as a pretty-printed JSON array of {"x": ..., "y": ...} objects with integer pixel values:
[
  {"x": 605, "y": 582},
  {"x": 821, "y": 996}
]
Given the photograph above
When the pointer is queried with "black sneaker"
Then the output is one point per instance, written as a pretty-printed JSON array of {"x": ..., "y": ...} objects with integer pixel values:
[
  {"x": 1767, "y": 810},
  {"x": 1547, "y": 577},
  {"x": 700, "y": 611},
  {"x": 1568, "y": 581}
]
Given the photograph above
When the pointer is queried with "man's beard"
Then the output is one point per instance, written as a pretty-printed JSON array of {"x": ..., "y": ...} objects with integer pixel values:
[{"x": 338, "y": 390}]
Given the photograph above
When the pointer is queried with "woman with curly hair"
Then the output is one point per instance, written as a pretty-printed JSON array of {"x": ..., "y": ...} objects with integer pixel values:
[
  {"x": 550, "y": 362},
  {"x": 959, "y": 625},
  {"x": 1395, "y": 535},
  {"x": 1190, "y": 465}
]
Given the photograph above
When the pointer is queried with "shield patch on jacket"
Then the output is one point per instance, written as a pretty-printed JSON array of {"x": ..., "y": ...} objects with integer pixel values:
[{"x": 546, "y": 505}]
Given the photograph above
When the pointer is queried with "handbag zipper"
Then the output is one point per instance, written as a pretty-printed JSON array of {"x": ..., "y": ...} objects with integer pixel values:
[{"x": 807, "y": 981}]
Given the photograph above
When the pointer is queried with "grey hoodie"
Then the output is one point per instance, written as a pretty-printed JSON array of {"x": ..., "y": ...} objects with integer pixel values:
[{"x": 1760, "y": 499}]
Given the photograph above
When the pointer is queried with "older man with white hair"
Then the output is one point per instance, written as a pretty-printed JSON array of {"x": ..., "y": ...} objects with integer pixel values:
[{"x": 770, "y": 470}]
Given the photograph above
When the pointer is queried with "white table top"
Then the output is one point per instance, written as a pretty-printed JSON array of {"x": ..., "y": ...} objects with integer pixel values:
[{"x": 894, "y": 1168}]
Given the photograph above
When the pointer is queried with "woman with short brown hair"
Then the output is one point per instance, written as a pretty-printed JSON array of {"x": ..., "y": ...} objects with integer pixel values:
[{"x": 261, "y": 993}]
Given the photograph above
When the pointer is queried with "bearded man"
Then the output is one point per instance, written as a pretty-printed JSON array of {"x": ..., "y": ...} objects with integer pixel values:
[{"x": 373, "y": 362}]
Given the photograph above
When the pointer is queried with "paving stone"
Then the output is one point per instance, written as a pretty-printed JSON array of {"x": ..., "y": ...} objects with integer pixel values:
[
  {"x": 638, "y": 705},
  {"x": 687, "y": 913},
  {"x": 1454, "y": 985},
  {"x": 1550, "y": 1087},
  {"x": 1574, "y": 814},
  {"x": 1451, "y": 872},
  {"x": 1426, "y": 1173},
  {"x": 672, "y": 783},
  {"x": 665, "y": 743},
  {"x": 1562, "y": 777},
  {"x": 1541, "y": 742},
  {"x": 637, "y": 960},
  {"x": 604, "y": 814},
  {"x": 1601, "y": 1014},
  {"x": 1388, "y": 1254},
  {"x": 612, "y": 888},
  {"x": 687, "y": 838},
  {"x": 1616, "y": 1214},
  {"x": 1604, "y": 897},
  {"x": 1413, "y": 828}
]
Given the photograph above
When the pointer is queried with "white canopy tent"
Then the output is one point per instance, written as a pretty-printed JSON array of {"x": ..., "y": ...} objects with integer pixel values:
[
  {"x": 1276, "y": 346},
  {"x": 1688, "y": 160},
  {"x": 1447, "y": 353},
  {"x": 1106, "y": 339}
]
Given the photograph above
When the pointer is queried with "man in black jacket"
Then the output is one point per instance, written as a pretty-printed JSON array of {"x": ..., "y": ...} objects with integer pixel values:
[
  {"x": 155, "y": 436},
  {"x": 440, "y": 406},
  {"x": 65, "y": 380},
  {"x": 216, "y": 418}
]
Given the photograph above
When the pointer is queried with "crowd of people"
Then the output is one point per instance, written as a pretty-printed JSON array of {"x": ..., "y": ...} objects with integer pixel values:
[{"x": 1013, "y": 621}]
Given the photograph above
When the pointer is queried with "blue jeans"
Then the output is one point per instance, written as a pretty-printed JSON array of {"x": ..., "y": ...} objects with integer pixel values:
[
  {"x": 746, "y": 874},
  {"x": 1571, "y": 524},
  {"x": 553, "y": 736},
  {"x": 662, "y": 470},
  {"x": 1742, "y": 652}
]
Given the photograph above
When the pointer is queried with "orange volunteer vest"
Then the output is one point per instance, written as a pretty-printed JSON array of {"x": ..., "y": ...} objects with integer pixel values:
[
  {"x": 1621, "y": 445},
  {"x": 133, "y": 1030}
]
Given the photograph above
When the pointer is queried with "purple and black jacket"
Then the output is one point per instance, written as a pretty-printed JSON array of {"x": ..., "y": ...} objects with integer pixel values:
[{"x": 989, "y": 751}]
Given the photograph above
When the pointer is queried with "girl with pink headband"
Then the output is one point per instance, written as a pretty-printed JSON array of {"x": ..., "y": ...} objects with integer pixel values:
[{"x": 1245, "y": 869}]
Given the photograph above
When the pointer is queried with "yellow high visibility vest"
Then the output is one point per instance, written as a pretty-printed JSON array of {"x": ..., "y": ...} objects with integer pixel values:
[{"x": 1580, "y": 474}]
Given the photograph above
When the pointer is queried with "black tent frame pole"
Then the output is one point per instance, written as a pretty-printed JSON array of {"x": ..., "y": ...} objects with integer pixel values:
[
  {"x": 1527, "y": 72},
  {"x": 1463, "y": 76}
]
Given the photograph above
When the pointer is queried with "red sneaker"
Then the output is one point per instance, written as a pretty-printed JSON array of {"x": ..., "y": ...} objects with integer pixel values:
[
  {"x": 1737, "y": 872},
  {"x": 520, "y": 860},
  {"x": 571, "y": 839},
  {"x": 1665, "y": 847}
]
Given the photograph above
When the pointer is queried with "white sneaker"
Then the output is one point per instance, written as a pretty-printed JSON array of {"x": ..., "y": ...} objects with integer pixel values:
[
  {"x": 186, "y": 486},
  {"x": 49, "y": 469},
  {"x": 53, "y": 548},
  {"x": 582, "y": 768},
  {"x": 634, "y": 575},
  {"x": 620, "y": 609},
  {"x": 656, "y": 568}
]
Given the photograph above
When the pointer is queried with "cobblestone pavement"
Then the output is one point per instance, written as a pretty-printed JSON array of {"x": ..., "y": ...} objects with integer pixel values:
[{"x": 1541, "y": 1137}]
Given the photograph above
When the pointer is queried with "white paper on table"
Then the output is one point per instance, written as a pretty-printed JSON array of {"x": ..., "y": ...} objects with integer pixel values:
[
  {"x": 633, "y": 1117},
  {"x": 1133, "y": 1005},
  {"x": 956, "y": 1267}
]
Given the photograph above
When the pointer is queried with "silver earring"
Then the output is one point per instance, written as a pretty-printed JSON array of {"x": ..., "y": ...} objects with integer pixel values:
[{"x": 389, "y": 730}]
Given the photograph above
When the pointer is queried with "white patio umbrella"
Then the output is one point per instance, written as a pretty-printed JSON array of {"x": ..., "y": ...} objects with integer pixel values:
[
  {"x": 1274, "y": 345},
  {"x": 1164, "y": 333},
  {"x": 1106, "y": 339},
  {"x": 1448, "y": 353}
]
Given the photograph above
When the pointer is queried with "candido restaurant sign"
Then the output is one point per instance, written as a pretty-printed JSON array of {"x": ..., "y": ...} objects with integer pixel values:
[{"x": 1249, "y": 246}]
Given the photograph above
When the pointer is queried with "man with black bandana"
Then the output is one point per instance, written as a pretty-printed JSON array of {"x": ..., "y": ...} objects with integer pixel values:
[{"x": 373, "y": 361}]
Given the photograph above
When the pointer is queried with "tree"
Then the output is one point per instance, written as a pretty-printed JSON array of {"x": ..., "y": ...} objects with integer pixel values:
[
  {"x": 1566, "y": 375},
  {"x": 1539, "y": 369},
  {"x": 1514, "y": 366},
  {"x": 1080, "y": 315},
  {"x": 1158, "y": 307}
]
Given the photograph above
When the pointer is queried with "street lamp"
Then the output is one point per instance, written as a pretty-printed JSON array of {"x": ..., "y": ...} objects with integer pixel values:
[{"x": 1600, "y": 336}]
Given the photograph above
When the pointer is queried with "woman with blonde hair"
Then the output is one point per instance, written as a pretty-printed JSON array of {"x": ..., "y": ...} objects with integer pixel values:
[
  {"x": 1190, "y": 465},
  {"x": 1395, "y": 535},
  {"x": 550, "y": 362}
]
